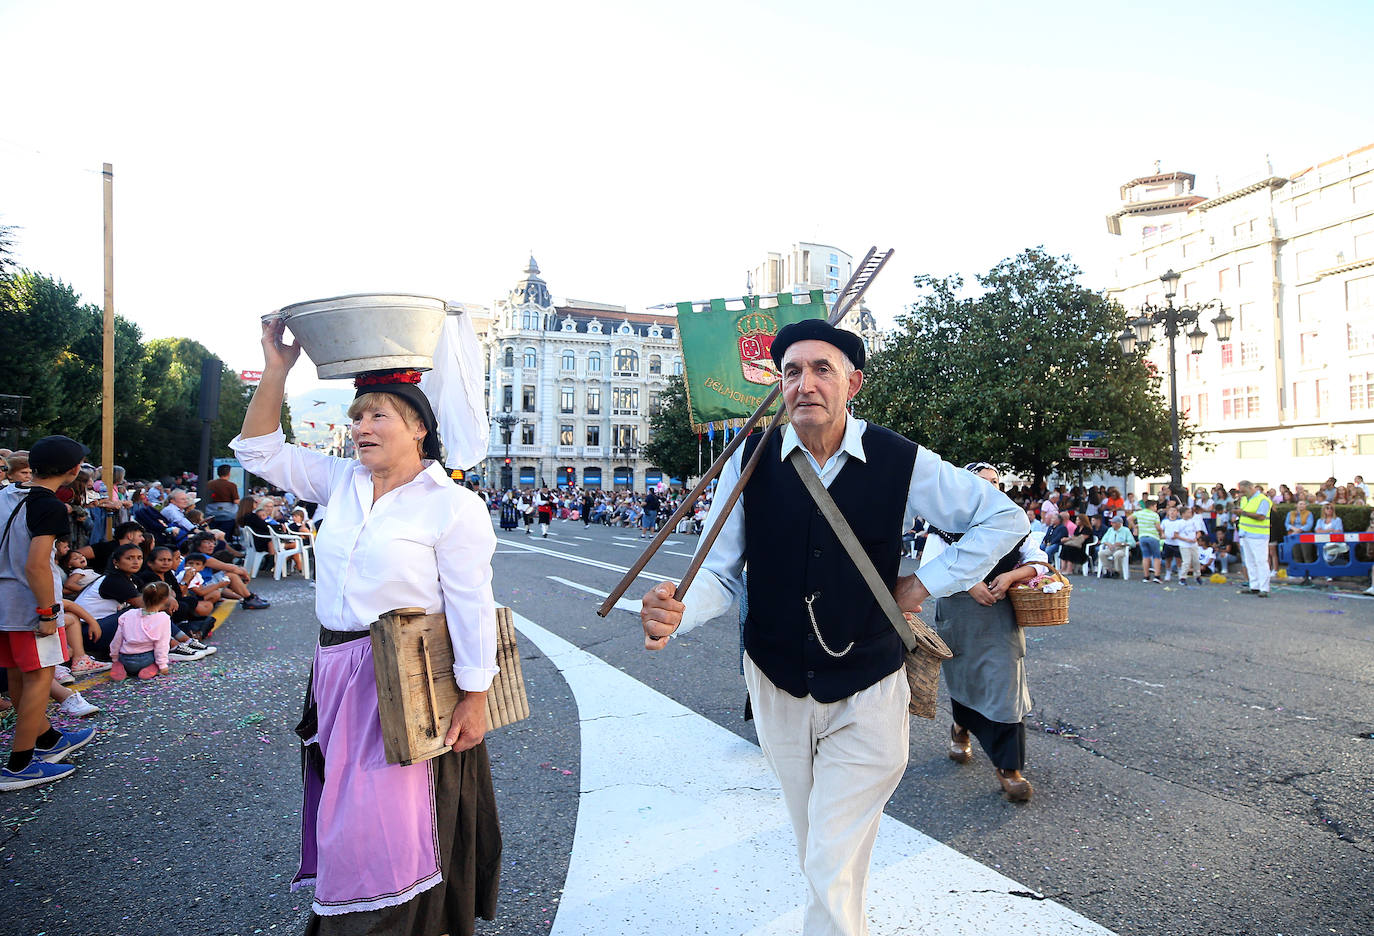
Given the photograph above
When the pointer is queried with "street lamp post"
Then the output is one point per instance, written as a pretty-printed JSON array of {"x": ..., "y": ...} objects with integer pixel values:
[
  {"x": 1174, "y": 319},
  {"x": 507, "y": 421}
]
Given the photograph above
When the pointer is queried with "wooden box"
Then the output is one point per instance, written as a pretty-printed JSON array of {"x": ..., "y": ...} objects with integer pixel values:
[{"x": 412, "y": 657}]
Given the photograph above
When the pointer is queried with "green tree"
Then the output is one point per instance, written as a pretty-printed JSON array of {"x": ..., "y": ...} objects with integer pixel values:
[
  {"x": 53, "y": 353},
  {"x": 1006, "y": 375},
  {"x": 168, "y": 440},
  {"x": 672, "y": 444}
]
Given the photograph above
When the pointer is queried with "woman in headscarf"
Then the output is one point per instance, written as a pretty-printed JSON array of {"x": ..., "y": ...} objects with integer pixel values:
[
  {"x": 389, "y": 849},
  {"x": 986, "y": 678}
]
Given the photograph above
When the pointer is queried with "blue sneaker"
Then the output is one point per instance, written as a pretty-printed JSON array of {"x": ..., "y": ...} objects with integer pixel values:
[
  {"x": 37, "y": 772},
  {"x": 69, "y": 742}
]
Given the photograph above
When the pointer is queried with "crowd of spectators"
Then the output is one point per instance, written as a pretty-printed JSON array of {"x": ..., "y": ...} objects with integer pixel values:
[
  {"x": 645, "y": 511},
  {"x": 1188, "y": 534},
  {"x": 160, "y": 544}
]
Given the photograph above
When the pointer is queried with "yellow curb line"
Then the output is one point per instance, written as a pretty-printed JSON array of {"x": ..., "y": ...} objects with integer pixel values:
[{"x": 220, "y": 614}]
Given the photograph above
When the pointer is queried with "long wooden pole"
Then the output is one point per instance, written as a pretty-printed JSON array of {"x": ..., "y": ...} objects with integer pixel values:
[
  {"x": 723, "y": 514},
  {"x": 853, "y": 291},
  {"x": 107, "y": 457}
]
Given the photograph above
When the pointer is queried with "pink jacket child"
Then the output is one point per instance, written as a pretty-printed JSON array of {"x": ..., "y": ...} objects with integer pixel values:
[{"x": 141, "y": 643}]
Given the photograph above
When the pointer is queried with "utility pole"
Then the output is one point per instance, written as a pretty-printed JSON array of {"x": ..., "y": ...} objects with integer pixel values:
[{"x": 107, "y": 387}]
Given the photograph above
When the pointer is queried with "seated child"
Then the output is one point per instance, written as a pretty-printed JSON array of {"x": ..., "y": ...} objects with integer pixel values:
[
  {"x": 78, "y": 575},
  {"x": 1207, "y": 558},
  {"x": 141, "y": 644},
  {"x": 192, "y": 585}
]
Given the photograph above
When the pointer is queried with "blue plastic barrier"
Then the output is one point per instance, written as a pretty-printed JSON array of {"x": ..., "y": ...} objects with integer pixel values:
[{"x": 1352, "y": 567}]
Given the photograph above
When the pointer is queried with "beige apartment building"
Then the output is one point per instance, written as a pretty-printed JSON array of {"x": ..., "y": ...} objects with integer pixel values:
[{"x": 1290, "y": 399}]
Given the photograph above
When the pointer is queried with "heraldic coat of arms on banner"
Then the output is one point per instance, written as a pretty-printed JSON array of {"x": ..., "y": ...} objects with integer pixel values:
[{"x": 756, "y": 331}]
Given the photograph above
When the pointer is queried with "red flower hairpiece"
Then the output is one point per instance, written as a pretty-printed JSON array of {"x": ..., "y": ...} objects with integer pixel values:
[{"x": 388, "y": 377}]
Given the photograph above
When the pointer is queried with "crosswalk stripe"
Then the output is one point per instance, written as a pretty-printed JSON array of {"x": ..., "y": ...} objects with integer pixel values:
[
  {"x": 681, "y": 829},
  {"x": 595, "y": 563},
  {"x": 622, "y": 604}
]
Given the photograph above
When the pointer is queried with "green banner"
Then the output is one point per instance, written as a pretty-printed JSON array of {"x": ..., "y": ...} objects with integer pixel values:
[{"x": 725, "y": 353}]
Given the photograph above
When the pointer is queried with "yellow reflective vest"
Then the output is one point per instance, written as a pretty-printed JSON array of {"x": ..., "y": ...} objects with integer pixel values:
[{"x": 1253, "y": 504}]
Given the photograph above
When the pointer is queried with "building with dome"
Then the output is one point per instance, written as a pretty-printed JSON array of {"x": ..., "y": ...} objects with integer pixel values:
[{"x": 571, "y": 386}]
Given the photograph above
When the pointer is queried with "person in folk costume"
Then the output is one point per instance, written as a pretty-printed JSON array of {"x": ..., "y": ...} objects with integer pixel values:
[
  {"x": 527, "y": 510},
  {"x": 392, "y": 849},
  {"x": 823, "y": 665},
  {"x": 986, "y": 678},
  {"x": 544, "y": 508},
  {"x": 510, "y": 517},
  {"x": 588, "y": 505}
]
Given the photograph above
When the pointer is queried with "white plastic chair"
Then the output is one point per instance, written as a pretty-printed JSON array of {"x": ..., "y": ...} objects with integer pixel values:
[
  {"x": 254, "y": 551},
  {"x": 1100, "y": 563},
  {"x": 288, "y": 545}
]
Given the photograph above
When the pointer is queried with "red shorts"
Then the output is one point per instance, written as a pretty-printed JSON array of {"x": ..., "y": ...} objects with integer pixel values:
[{"x": 26, "y": 651}]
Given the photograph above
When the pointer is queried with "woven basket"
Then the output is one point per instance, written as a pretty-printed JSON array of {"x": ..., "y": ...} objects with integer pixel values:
[
  {"x": 923, "y": 666},
  {"x": 1034, "y": 608}
]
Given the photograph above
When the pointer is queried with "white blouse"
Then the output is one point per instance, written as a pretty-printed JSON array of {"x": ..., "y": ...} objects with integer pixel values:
[{"x": 427, "y": 544}]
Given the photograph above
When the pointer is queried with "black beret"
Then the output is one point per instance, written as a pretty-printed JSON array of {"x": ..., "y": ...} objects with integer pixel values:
[{"x": 850, "y": 344}]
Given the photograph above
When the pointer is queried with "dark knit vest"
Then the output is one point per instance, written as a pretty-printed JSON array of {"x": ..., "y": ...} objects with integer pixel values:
[{"x": 792, "y": 553}]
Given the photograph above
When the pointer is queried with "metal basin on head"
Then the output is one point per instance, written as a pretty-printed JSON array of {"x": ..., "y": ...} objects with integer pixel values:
[{"x": 349, "y": 335}]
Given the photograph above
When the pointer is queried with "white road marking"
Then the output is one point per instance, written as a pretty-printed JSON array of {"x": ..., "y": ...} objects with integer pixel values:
[
  {"x": 681, "y": 829},
  {"x": 596, "y": 563},
  {"x": 621, "y": 604},
  {"x": 586, "y": 539},
  {"x": 683, "y": 555},
  {"x": 625, "y": 545}
]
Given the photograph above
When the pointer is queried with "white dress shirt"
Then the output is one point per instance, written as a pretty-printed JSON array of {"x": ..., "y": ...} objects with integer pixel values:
[
  {"x": 947, "y": 497},
  {"x": 427, "y": 544}
]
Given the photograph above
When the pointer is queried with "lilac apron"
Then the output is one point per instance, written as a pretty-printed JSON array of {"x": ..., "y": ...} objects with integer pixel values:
[{"x": 369, "y": 836}]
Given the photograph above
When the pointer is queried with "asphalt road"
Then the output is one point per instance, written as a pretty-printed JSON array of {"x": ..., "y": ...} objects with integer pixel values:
[{"x": 1202, "y": 762}]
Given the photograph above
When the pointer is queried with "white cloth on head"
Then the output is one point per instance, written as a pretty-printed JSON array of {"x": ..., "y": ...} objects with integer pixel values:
[{"x": 455, "y": 392}]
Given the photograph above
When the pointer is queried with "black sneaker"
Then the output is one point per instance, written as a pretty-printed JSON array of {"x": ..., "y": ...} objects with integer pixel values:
[
  {"x": 255, "y": 603},
  {"x": 1263, "y": 594},
  {"x": 1157, "y": 580}
]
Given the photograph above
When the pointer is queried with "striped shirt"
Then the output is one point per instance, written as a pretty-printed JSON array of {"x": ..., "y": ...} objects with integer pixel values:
[{"x": 1146, "y": 523}]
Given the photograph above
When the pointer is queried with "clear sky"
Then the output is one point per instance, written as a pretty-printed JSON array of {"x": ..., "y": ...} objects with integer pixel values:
[{"x": 268, "y": 153}]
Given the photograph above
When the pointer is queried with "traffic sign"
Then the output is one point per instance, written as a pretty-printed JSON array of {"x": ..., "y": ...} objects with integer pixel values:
[
  {"x": 1086, "y": 451},
  {"x": 1088, "y": 435}
]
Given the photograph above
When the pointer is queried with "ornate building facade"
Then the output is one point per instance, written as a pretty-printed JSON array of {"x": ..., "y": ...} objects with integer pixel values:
[
  {"x": 1291, "y": 397},
  {"x": 576, "y": 383}
]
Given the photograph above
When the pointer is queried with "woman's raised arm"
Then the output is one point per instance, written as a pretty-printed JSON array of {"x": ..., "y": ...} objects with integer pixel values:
[{"x": 264, "y": 410}]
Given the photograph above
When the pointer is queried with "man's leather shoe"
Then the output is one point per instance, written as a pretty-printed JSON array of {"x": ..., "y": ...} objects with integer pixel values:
[
  {"x": 960, "y": 748},
  {"x": 1017, "y": 787}
]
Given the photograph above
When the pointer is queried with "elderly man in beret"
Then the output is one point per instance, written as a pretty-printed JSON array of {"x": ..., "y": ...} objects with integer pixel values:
[{"x": 822, "y": 662}]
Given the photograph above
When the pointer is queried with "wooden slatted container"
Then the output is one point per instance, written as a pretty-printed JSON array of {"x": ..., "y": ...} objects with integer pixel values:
[{"x": 412, "y": 657}]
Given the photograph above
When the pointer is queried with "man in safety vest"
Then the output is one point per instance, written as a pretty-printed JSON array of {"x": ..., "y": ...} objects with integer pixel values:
[{"x": 1252, "y": 535}]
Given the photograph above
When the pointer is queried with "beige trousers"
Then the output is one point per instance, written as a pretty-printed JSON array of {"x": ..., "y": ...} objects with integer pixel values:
[
  {"x": 1188, "y": 564},
  {"x": 838, "y": 764}
]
